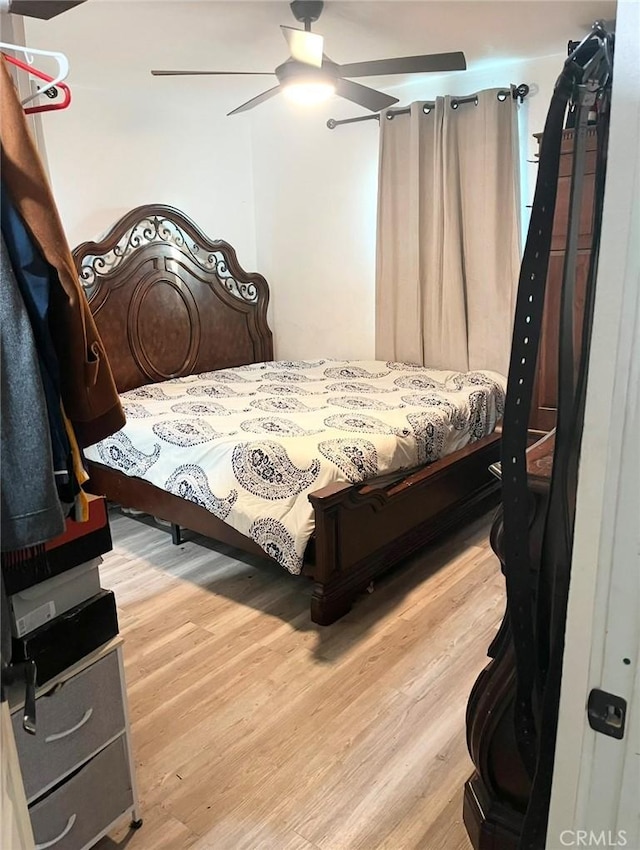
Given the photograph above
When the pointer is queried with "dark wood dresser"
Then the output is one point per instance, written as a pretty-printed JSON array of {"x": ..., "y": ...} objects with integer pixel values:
[
  {"x": 497, "y": 794},
  {"x": 545, "y": 394}
]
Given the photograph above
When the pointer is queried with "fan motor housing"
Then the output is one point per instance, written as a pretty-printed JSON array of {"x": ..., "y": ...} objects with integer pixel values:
[{"x": 306, "y": 10}]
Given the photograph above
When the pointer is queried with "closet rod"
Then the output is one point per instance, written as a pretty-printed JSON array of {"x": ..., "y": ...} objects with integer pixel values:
[{"x": 517, "y": 92}]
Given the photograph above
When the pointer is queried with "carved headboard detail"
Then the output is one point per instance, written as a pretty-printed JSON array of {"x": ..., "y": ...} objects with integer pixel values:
[{"x": 170, "y": 302}]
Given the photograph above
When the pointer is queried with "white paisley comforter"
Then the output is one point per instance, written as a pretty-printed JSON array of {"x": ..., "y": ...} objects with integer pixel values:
[{"x": 249, "y": 444}]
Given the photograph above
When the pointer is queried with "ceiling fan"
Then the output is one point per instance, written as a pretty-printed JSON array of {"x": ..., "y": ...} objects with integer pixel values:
[{"x": 309, "y": 75}]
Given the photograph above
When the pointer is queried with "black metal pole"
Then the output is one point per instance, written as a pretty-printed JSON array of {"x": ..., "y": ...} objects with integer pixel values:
[{"x": 517, "y": 92}]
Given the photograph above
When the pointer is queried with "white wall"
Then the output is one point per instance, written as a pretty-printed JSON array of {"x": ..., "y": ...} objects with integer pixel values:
[
  {"x": 129, "y": 138},
  {"x": 315, "y": 196},
  {"x": 315, "y": 201}
]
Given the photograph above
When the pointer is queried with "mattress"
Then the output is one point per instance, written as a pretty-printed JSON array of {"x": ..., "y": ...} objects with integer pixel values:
[{"x": 249, "y": 444}]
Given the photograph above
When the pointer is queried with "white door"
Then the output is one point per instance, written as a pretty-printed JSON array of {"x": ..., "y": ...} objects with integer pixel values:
[{"x": 596, "y": 786}]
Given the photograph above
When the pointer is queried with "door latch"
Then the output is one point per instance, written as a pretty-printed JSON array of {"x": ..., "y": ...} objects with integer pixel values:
[{"x": 607, "y": 713}]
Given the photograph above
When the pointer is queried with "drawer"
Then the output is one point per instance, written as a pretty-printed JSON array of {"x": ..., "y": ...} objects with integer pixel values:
[
  {"x": 72, "y": 723},
  {"x": 72, "y": 815}
]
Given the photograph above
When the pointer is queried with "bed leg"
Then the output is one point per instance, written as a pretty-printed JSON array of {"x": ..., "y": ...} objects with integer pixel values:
[
  {"x": 176, "y": 535},
  {"x": 328, "y": 604}
]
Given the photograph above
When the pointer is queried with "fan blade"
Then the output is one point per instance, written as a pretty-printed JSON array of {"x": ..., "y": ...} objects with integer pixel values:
[
  {"x": 304, "y": 46},
  {"x": 406, "y": 65},
  {"x": 210, "y": 73},
  {"x": 364, "y": 96},
  {"x": 255, "y": 101}
]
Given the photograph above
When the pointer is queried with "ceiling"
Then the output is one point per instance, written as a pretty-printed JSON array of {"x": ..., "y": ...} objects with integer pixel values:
[
  {"x": 246, "y": 32},
  {"x": 244, "y": 35}
]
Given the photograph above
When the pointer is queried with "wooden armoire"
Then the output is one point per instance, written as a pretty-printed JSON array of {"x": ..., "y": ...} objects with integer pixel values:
[
  {"x": 497, "y": 794},
  {"x": 543, "y": 408}
]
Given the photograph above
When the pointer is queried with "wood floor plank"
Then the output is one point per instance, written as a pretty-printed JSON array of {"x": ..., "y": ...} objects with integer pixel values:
[
  {"x": 246, "y": 834},
  {"x": 159, "y": 831},
  {"x": 254, "y": 728}
]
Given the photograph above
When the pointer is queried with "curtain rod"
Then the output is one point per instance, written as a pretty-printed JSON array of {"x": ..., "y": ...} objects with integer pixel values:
[{"x": 517, "y": 92}]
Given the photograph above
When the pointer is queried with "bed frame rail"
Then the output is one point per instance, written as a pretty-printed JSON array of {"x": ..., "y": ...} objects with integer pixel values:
[{"x": 363, "y": 531}]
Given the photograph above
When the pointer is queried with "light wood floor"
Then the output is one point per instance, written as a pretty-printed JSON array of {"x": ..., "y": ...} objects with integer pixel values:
[{"x": 254, "y": 729}]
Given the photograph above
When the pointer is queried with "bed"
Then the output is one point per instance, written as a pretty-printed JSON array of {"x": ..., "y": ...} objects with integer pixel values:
[{"x": 349, "y": 450}]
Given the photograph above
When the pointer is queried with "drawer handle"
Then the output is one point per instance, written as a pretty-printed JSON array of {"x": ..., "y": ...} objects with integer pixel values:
[
  {"x": 57, "y": 735},
  {"x": 53, "y": 841}
]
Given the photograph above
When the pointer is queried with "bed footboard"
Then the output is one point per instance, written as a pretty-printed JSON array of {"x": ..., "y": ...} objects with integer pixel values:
[{"x": 362, "y": 531}]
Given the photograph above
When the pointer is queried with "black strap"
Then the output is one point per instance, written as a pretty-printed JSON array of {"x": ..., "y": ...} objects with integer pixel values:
[
  {"x": 522, "y": 372},
  {"x": 561, "y": 508}
]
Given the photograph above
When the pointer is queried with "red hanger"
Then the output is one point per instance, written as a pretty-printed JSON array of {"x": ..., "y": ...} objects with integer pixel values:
[{"x": 36, "y": 72}]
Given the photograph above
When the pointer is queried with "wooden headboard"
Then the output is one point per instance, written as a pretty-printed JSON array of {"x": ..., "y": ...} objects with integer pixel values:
[{"x": 170, "y": 302}]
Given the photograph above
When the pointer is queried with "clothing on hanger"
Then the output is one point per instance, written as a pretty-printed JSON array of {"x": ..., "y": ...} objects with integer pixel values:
[
  {"x": 88, "y": 392},
  {"x": 69, "y": 375}
]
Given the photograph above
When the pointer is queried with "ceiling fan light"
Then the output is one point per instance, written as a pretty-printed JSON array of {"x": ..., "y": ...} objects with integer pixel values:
[{"x": 308, "y": 93}]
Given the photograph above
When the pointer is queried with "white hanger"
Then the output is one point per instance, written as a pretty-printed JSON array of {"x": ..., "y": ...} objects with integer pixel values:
[{"x": 61, "y": 59}]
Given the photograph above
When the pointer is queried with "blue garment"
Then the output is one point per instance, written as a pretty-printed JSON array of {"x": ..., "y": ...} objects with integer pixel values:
[
  {"x": 33, "y": 276},
  {"x": 30, "y": 508}
]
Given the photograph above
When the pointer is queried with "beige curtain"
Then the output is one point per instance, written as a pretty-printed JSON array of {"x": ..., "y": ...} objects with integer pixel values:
[{"x": 448, "y": 243}]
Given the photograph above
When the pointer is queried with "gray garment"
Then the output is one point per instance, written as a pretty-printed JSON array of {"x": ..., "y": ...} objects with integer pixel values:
[{"x": 30, "y": 509}]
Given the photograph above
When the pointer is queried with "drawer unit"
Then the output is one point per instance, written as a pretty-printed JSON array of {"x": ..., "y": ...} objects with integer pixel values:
[
  {"x": 78, "y": 768},
  {"x": 74, "y": 720},
  {"x": 72, "y": 815}
]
